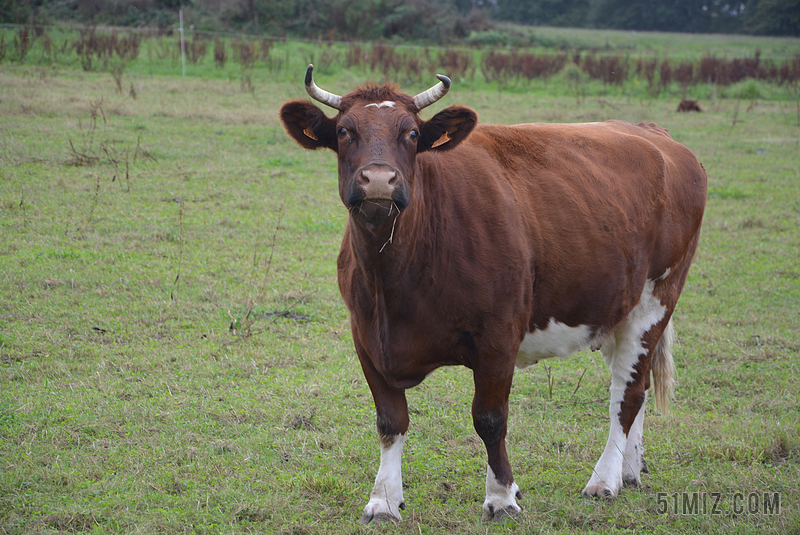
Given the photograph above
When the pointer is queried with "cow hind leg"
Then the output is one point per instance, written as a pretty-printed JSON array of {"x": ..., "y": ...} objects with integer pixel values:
[
  {"x": 663, "y": 370},
  {"x": 633, "y": 463},
  {"x": 606, "y": 479},
  {"x": 628, "y": 353}
]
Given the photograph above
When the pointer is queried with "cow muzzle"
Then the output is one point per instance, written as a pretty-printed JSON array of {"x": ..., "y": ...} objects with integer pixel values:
[
  {"x": 378, "y": 193},
  {"x": 378, "y": 182}
]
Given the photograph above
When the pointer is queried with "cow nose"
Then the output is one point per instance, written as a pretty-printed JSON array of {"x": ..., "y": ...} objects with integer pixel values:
[{"x": 378, "y": 182}]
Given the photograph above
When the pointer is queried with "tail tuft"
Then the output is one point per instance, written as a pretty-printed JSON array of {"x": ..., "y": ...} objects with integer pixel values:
[{"x": 663, "y": 369}]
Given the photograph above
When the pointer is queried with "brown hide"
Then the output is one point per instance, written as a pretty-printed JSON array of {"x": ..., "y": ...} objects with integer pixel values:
[
  {"x": 513, "y": 227},
  {"x": 462, "y": 239}
]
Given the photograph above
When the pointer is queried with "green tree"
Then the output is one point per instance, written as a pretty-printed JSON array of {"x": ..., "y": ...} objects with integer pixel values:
[
  {"x": 775, "y": 17},
  {"x": 15, "y": 12},
  {"x": 705, "y": 16},
  {"x": 544, "y": 12},
  {"x": 668, "y": 15}
]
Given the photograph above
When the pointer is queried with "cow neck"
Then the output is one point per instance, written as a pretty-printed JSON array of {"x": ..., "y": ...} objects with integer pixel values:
[
  {"x": 389, "y": 256},
  {"x": 383, "y": 252},
  {"x": 394, "y": 280}
]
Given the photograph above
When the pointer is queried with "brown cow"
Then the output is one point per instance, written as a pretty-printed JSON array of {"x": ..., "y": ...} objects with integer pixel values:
[
  {"x": 493, "y": 246},
  {"x": 687, "y": 105}
]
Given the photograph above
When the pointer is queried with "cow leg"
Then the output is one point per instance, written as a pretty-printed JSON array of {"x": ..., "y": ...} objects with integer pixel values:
[
  {"x": 628, "y": 352},
  {"x": 490, "y": 417},
  {"x": 663, "y": 376},
  {"x": 386, "y": 498},
  {"x": 606, "y": 477},
  {"x": 633, "y": 463}
]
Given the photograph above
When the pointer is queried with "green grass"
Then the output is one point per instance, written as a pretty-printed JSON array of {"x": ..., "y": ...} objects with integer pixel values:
[
  {"x": 160, "y": 55},
  {"x": 690, "y": 46},
  {"x": 127, "y": 403}
]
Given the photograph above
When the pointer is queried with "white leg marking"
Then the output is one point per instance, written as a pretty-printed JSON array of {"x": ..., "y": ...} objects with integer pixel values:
[
  {"x": 633, "y": 462},
  {"x": 606, "y": 477},
  {"x": 386, "y": 498},
  {"x": 500, "y": 499},
  {"x": 621, "y": 352}
]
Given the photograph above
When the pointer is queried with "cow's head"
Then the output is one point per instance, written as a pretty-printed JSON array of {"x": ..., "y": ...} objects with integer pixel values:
[{"x": 377, "y": 135}]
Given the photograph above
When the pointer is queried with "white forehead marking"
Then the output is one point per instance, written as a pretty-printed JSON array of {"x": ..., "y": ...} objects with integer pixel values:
[{"x": 385, "y": 103}]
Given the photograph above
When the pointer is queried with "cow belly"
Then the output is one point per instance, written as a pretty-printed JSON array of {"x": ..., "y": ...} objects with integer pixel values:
[{"x": 555, "y": 340}]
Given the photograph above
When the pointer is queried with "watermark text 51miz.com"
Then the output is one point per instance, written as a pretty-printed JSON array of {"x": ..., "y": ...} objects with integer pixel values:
[{"x": 718, "y": 503}]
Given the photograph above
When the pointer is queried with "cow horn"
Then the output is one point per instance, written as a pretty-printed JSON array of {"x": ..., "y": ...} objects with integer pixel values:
[
  {"x": 329, "y": 99},
  {"x": 426, "y": 98}
]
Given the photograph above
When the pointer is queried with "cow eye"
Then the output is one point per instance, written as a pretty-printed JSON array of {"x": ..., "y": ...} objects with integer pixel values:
[
  {"x": 342, "y": 132},
  {"x": 413, "y": 135}
]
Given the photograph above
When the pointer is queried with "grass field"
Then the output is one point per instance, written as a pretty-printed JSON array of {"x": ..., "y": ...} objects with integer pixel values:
[
  {"x": 672, "y": 44},
  {"x": 175, "y": 357}
]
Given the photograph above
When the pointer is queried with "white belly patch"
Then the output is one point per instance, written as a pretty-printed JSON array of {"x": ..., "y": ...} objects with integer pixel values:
[{"x": 556, "y": 340}]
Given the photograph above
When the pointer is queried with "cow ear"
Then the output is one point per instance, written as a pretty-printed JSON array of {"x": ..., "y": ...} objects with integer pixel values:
[
  {"x": 306, "y": 123},
  {"x": 447, "y": 129}
]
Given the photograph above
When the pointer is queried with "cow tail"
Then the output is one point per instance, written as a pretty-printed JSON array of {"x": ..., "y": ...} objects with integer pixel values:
[{"x": 663, "y": 368}]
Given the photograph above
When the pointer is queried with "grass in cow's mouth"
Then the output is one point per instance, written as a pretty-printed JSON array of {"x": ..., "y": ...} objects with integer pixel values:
[
  {"x": 394, "y": 225},
  {"x": 123, "y": 409}
]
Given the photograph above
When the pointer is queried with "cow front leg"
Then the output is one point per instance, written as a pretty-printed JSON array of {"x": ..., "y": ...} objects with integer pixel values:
[
  {"x": 386, "y": 498},
  {"x": 490, "y": 417}
]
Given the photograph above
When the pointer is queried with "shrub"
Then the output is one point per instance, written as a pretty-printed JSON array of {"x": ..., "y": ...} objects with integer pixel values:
[
  {"x": 609, "y": 69},
  {"x": 646, "y": 68},
  {"x": 664, "y": 74},
  {"x": 219, "y": 52},
  {"x": 245, "y": 52},
  {"x": 750, "y": 90},
  {"x": 490, "y": 38},
  {"x": 496, "y": 67},
  {"x": 354, "y": 56},
  {"x": 539, "y": 65},
  {"x": 456, "y": 64},
  {"x": 196, "y": 48},
  {"x": 684, "y": 74}
]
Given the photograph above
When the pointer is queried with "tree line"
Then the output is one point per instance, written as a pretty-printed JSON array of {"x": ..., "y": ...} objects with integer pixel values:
[
  {"x": 762, "y": 17},
  {"x": 430, "y": 20}
]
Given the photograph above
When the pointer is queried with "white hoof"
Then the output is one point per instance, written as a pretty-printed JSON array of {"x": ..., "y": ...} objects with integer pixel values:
[
  {"x": 633, "y": 466},
  {"x": 381, "y": 511},
  {"x": 501, "y": 500},
  {"x": 497, "y": 513},
  {"x": 599, "y": 490},
  {"x": 631, "y": 480}
]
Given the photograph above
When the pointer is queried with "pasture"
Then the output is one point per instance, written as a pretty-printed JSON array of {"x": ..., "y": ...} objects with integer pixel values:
[{"x": 175, "y": 356}]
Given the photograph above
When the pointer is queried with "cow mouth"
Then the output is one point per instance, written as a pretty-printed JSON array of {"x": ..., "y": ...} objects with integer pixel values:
[{"x": 376, "y": 212}]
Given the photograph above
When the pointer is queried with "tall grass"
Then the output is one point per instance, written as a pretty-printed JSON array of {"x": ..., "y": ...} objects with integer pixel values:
[{"x": 116, "y": 52}]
